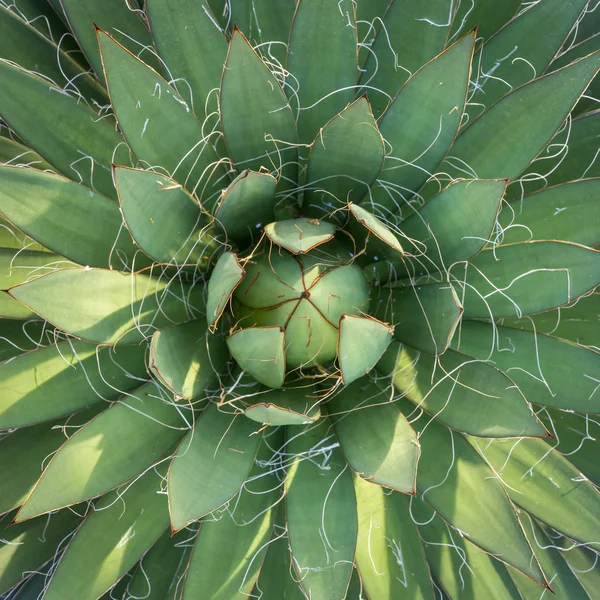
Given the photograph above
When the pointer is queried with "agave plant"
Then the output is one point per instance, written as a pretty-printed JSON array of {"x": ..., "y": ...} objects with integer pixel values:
[{"x": 298, "y": 299}]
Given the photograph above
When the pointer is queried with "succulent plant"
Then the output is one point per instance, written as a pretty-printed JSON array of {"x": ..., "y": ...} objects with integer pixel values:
[{"x": 298, "y": 299}]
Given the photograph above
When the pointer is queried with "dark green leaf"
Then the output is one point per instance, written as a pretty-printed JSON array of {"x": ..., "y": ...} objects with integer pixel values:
[
  {"x": 464, "y": 570},
  {"x": 423, "y": 315},
  {"x": 453, "y": 226},
  {"x": 521, "y": 50},
  {"x": 547, "y": 370},
  {"x": 345, "y": 160},
  {"x": 193, "y": 47},
  {"x": 563, "y": 582},
  {"x": 492, "y": 147},
  {"x": 412, "y": 34},
  {"x": 466, "y": 493},
  {"x": 544, "y": 483},
  {"x": 257, "y": 120},
  {"x": 25, "y": 547},
  {"x": 252, "y": 195},
  {"x": 22, "y": 44},
  {"x": 69, "y": 135},
  {"x": 568, "y": 212},
  {"x": 158, "y": 124},
  {"x": 321, "y": 87},
  {"x": 465, "y": 394},
  {"x": 421, "y": 123},
  {"x": 525, "y": 278},
  {"x": 113, "y": 16},
  {"x": 320, "y": 497},
  {"x": 160, "y": 571}
]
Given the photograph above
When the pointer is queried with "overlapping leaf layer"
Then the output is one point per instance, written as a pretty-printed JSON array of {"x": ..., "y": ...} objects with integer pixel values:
[{"x": 298, "y": 299}]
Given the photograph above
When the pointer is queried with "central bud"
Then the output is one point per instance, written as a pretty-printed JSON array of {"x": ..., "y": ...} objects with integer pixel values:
[
  {"x": 305, "y": 295},
  {"x": 298, "y": 300}
]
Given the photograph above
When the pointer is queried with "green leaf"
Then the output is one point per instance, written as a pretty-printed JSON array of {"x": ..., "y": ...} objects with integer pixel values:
[
  {"x": 160, "y": 570},
  {"x": 450, "y": 469},
  {"x": 75, "y": 374},
  {"x": 63, "y": 130},
  {"x": 93, "y": 235},
  {"x": 345, "y": 159},
  {"x": 320, "y": 497},
  {"x": 226, "y": 276},
  {"x": 563, "y": 582},
  {"x": 23, "y": 45},
  {"x": 211, "y": 464},
  {"x": 424, "y": 316},
  {"x": 260, "y": 351},
  {"x": 462, "y": 569},
  {"x": 452, "y": 227},
  {"x": 118, "y": 307},
  {"x": 250, "y": 194},
  {"x": 19, "y": 266},
  {"x": 573, "y": 433},
  {"x": 465, "y": 394},
  {"x": 221, "y": 571},
  {"x": 166, "y": 221},
  {"x": 492, "y": 148},
  {"x": 521, "y": 50},
  {"x": 258, "y": 123},
  {"x": 117, "y": 445},
  {"x": 575, "y": 159},
  {"x": 583, "y": 562},
  {"x": 17, "y": 154},
  {"x": 487, "y": 15},
  {"x": 361, "y": 343},
  {"x": 25, "y": 547},
  {"x": 389, "y": 553},
  {"x": 547, "y": 370},
  {"x": 111, "y": 540},
  {"x": 378, "y": 228},
  {"x": 375, "y": 437},
  {"x": 113, "y": 16},
  {"x": 582, "y": 48},
  {"x": 524, "y": 278},
  {"x": 17, "y": 337},
  {"x": 187, "y": 359},
  {"x": 25, "y": 452},
  {"x": 320, "y": 87},
  {"x": 267, "y": 22},
  {"x": 434, "y": 97},
  {"x": 277, "y": 579},
  {"x": 368, "y": 23},
  {"x": 287, "y": 406},
  {"x": 545, "y": 484},
  {"x": 158, "y": 124},
  {"x": 299, "y": 236},
  {"x": 193, "y": 47},
  {"x": 413, "y": 33},
  {"x": 577, "y": 322},
  {"x": 567, "y": 212}
]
